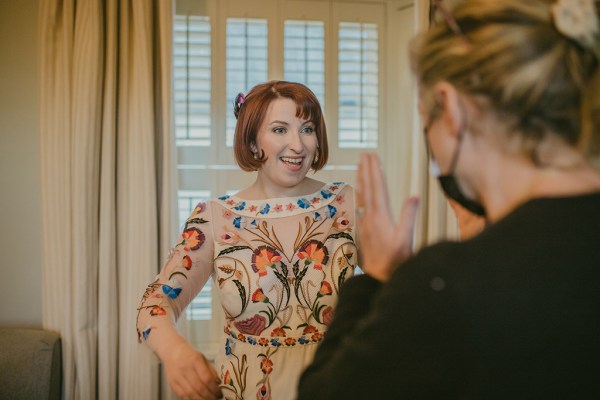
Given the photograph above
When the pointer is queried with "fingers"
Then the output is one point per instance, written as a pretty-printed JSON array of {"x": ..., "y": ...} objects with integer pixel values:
[
  {"x": 209, "y": 378},
  {"x": 362, "y": 182},
  {"x": 371, "y": 188},
  {"x": 194, "y": 378}
]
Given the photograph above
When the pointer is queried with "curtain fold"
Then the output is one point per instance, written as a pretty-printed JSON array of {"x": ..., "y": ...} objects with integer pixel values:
[
  {"x": 107, "y": 179},
  {"x": 436, "y": 219}
]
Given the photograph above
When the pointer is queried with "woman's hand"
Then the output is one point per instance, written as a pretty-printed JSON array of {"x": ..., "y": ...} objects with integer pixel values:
[
  {"x": 189, "y": 373},
  {"x": 383, "y": 244}
]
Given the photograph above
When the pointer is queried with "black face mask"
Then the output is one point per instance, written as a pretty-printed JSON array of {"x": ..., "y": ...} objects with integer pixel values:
[{"x": 450, "y": 185}]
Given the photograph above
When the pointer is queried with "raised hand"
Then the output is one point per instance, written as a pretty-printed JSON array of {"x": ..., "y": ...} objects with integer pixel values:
[{"x": 383, "y": 244}]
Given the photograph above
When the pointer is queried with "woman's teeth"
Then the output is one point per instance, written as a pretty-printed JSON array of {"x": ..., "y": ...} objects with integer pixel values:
[{"x": 294, "y": 161}]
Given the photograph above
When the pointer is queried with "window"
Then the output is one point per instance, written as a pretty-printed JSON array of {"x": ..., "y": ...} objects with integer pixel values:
[
  {"x": 304, "y": 55},
  {"x": 247, "y": 53},
  {"x": 191, "y": 80},
  {"x": 358, "y": 119}
]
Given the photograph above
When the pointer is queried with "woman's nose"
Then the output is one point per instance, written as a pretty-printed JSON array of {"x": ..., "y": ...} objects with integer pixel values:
[{"x": 295, "y": 143}]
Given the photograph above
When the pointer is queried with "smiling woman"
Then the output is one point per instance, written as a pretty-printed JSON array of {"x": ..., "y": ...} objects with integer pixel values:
[{"x": 278, "y": 252}]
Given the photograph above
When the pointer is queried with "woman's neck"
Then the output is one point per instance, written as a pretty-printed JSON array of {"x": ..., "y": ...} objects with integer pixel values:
[{"x": 512, "y": 182}]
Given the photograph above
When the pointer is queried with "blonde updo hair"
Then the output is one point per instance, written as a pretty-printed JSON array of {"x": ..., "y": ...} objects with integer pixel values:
[{"x": 510, "y": 53}]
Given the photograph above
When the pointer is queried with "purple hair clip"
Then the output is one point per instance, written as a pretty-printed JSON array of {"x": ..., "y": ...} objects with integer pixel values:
[{"x": 237, "y": 104}]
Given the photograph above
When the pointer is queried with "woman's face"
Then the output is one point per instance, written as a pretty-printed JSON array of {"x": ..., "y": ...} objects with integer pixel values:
[{"x": 288, "y": 142}]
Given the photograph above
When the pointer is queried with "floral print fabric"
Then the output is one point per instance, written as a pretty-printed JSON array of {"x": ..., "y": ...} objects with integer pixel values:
[{"x": 278, "y": 266}]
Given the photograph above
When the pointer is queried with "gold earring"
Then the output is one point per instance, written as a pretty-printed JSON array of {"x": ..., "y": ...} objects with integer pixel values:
[{"x": 255, "y": 156}]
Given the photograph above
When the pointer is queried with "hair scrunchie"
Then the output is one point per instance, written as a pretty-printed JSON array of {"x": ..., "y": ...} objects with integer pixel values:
[{"x": 237, "y": 104}]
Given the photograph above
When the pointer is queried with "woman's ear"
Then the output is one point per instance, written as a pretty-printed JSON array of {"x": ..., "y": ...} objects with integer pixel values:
[
  {"x": 254, "y": 148},
  {"x": 452, "y": 112}
]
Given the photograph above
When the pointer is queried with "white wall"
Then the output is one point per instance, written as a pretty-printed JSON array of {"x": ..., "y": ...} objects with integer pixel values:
[{"x": 20, "y": 204}]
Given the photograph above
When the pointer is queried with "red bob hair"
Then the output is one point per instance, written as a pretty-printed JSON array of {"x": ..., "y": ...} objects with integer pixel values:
[{"x": 252, "y": 114}]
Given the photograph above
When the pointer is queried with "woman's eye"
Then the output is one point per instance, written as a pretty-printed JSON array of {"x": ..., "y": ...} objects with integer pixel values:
[
  {"x": 308, "y": 129},
  {"x": 279, "y": 130}
]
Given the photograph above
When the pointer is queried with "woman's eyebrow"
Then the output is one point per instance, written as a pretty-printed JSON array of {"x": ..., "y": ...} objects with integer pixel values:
[{"x": 277, "y": 122}]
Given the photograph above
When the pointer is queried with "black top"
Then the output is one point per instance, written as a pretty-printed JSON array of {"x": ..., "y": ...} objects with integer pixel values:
[{"x": 513, "y": 313}]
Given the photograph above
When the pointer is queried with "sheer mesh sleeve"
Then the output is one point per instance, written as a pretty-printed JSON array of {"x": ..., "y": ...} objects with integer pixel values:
[{"x": 188, "y": 268}]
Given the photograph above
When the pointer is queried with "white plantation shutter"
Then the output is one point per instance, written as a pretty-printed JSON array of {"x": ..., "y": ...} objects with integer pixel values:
[
  {"x": 247, "y": 62},
  {"x": 358, "y": 85},
  {"x": 192, "y": 80},
  {"x": 304, "y": 55}
]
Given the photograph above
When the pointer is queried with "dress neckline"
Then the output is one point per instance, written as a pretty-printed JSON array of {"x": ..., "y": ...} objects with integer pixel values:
[{"x": 284, "y": 206}]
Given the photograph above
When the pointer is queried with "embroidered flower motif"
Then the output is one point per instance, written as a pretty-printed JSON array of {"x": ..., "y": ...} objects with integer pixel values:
[
  {"x": 278, "y": 332},
  {"x": 290, "y": 207},
  {"x": 309, "y": 329},
  {"x": 186, "y": 262},
  {"x": 254, "y": 224},
  {"x": 326, "y": 194},
  {"x": 314, "y": 252},
  {"x": 316, "y": 337},
  {"x": 192, "y": 239},
  {"x": 318, "y": 216},
  {"x": 230, "y": 238},
  {"x": 146, "y": 332},
  {"x": 223, "y": 198},
  {"x": 251, "y": 326},
  {"x": 340, "y": 199},
  {"x": 263, "y": 393},
  {"x": 259, "y": 296},
  {"x": 241, "y": 337},
  {"x": 263, "y": 341},
  {"x": 227, "y": 378},
  {"x": 239, "y": 222},
  {"x": 263, "y": 257},
  {"x": 327, "y": 316},
  {"x": 342, "y": 223},
  {"x": 577, "y": 19},
  {"x": 251, "y": 340},
  {"x": 303, "y": 340},
  {"x": 157, "y": 310},
  {"x": 303, "y": 203},
  {"x": 227, "y": 214},
  {"x": 252, "y": 208},
  {"x": 315, "y": 200},
  {"x": 240, "y": 206},
  {"x": 199, "y": 209},
  {"x": 331, "y": 210},
  {"x": 265, "y": 209},
  {"x": 228, "y": 347},
  {"x": 173, "y": 289},
  {"x": 290, "y": 341},
  {"x": 325, "y": 289},
  {"x": 230, "y": 202},
  {"x": 266, "y": 366},
  {"x": 278, "y": 208},
  {"x": 275, "y": 342}
]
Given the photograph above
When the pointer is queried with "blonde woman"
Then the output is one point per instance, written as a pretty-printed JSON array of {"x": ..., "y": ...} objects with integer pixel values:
[{"x": 509, "y": 93}]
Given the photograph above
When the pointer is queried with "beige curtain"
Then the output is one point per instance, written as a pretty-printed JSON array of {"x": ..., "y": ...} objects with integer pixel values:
[
  {"x": 106, "y": 158},
  {"x": 436, "y": 219}
]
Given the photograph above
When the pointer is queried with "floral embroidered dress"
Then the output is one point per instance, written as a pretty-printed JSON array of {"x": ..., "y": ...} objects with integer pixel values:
[{"x": 278, "y": 264}]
